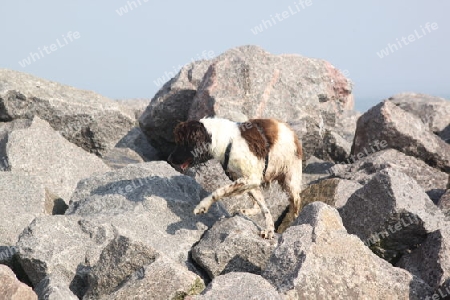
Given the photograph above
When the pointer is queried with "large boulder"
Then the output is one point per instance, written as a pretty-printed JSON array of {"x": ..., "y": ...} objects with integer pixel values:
[
  {"x": 238, "y": 285},
  {"x": 233, "y": 245},
  {"x": 400, "y": 130},
  {"x": 39, "y": 151},
  {"x": 317, "y": 259},
  {"x": 391, "y": 214},
  {"x": 85, "y": 118},
  {"x": 432, "y": 181},
  {"x": 432, "y": 111},
  {"x": 13, "y": 289},
  {"x": 247, "y": 82}
]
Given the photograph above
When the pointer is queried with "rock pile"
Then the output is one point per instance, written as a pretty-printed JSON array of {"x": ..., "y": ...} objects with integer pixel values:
[{"x": 90, "y": 212}]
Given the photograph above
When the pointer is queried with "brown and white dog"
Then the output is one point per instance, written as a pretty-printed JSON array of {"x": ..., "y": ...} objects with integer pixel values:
[{"x": 252, "y": 153}]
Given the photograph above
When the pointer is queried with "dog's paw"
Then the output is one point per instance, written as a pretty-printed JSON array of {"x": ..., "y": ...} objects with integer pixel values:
[
  {"x": 268, "y": 234},
  {"x": 250, "y": 211},
  {"x": 203, "y": 206}
]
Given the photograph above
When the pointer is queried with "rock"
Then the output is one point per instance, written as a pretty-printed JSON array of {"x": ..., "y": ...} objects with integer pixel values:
[
  {"x": 53, "y": 288},
  {"x": 61, "y": 246},
  {"x": 33, "y": 151},
  {"x": 317, "y": 259},
  {"x": 402, "y": 131},
  {"x": 148, "y": 203},
  {"x": 13, "y": 289},
  {"x": 433, "y": 111},
  {"x": 431, "y": 260},
  {"x": 444, "y": 203},
  {"x": 93, "y": 122},
  {"x": 432, "y": 181},
  {"x": 391, "y": 214},
  {"x": 233, "y": 245},
  {"x": 171, "y": 105},
  {"x": 128, "y": 270},
  {"x": 137, "y": 142},
  {"x": 238, "y": 85},
  {"x": 136, "y": 106},
  {"x": 445, "y": 134},
  {"x": 237, "y": 285},
  {"x": 118, "y": 158},
  {"x": 315, "y": 170},
  {"x": 333, "y": 191},
  {"x": 22, "y": 199}
]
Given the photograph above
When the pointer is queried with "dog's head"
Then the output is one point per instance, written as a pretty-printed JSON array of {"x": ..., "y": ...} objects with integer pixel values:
[{"x": 192, "y": 145}]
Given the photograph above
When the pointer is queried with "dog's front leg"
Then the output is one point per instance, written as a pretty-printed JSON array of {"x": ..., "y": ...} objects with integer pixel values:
[{"x": 238, "y": 187}]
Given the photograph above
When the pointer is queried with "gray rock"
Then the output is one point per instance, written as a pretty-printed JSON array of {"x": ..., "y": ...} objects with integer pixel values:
[
  {"x": 85, "y": 118},
  {"x": 333, "y": 191},
  {"x": 433, "y": 111},
  {"x": 444, "y": 203},
  {"x": 315, "y": 170},
  {"x": 445, "y": 134},
  {"x": 431, "y": 260},
  {"x": 62, "y": 246},
  {"x": 12, "y": 288},
  {"x": 391, "y": 214},
  {"x": 402, "y": 131},
  {"x": 317, "y": 259},
  {"x": 53, "y": 288},
  {"x": 362, "y": 170},
  {"x": 171, "y": 105},
  {"x": 149, "y": 203},
  {"x": 134, "y": 271},
  {"x": 41, "y": 152},
  {"x": 118, "y": 158},
  {"x": 22, "y": 199},
  {"x": 119, "y": 260},
  {"x": 233, "y": 245},
  {"x": 136, "y": 105},
  {"x": 237, "y": 285},
  {"x": 137, "y": 142},
  {"x": 238, "y": 85}
]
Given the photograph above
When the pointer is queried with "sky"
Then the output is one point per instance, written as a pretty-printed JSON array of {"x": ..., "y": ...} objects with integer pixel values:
[{"x": 123, "y": 49}]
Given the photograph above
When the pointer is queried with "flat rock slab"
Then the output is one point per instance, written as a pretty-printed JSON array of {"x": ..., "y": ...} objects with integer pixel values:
[
  {"x": 89, "y": 120},
  {"x": 400, "y": 130},
  {"x": 317, "y": 259}
]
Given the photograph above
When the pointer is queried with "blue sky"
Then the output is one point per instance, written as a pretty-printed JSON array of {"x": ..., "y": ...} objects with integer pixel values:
[{"x": 122, "y": 54}]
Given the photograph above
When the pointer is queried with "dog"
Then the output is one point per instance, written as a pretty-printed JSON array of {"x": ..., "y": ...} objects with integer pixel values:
[{"x": 252, "y": 154}]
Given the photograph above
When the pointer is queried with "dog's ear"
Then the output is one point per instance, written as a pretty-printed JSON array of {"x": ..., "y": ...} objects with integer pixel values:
[{"x": 191, "y": 133}]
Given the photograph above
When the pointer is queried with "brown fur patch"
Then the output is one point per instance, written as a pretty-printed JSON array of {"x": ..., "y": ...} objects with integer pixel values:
[
  {"x": 260, "y": 135},
  {"x": 191, "y": 133}
]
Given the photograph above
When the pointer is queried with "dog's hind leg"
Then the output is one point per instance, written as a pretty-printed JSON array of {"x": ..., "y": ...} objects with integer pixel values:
[
  {"x": 258, "y": 197},
  {"x": 292, "y": 184},
  {"x": 238, "y": 187}
]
